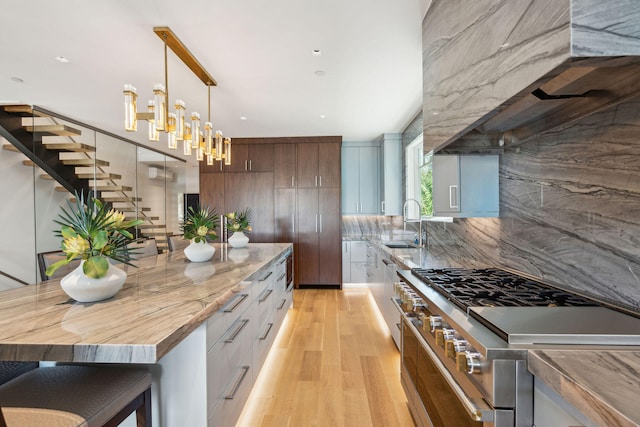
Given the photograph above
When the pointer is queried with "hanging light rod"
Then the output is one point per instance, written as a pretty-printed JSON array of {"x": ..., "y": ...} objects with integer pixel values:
[{"x": 181, "y": 51}]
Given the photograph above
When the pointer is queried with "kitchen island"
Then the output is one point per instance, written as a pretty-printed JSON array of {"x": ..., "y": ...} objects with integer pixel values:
[{"x": 184, "y": 320}]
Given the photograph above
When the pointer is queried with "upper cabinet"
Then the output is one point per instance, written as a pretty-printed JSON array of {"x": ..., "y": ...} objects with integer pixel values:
[
  {"x": 284, "y": 165},
  {"x": 360, "y": 180},
  {"x": 251, "y": 158},
  {"x": 465, "y": 186},
  {"x": 391, "y": 189},
  {"x": 497, "y": 72},
  {"x": 317, "y": 165}
]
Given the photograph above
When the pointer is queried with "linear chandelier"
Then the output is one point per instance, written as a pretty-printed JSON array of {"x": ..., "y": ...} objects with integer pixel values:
[{"x": 209, "y": 143}]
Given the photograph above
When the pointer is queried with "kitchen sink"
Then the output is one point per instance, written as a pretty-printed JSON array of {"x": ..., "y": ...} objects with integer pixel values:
[{"x": 398, "y": 245}]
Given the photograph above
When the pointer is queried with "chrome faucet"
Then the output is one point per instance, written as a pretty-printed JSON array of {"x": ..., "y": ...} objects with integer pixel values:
[{"x": 405, "y": 220}]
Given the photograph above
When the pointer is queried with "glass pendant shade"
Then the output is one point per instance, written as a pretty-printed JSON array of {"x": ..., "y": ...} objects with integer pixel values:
[
  {"x": 154, "y": 135},
  {"x": 208, "y": 137},
  {"x": 180, "y": 120},
  {"x": 160, "y": 106},
  {"x": 227, "y": 151},
  {"x": 196, "y": 136},
  {"x": 186, "y": 147},
  {"x": 218, "y": 152},
  {"x": 171, "y": 129},
  {"x": 130, "y": 108},
  {"x": 187, "y": 139},
  {"x": 199, "y": 154},
  {"x": 209, "y": 159}
]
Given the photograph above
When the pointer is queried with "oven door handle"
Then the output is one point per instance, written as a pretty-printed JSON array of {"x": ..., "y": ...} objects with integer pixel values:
[{"x": 477, "y": 412}]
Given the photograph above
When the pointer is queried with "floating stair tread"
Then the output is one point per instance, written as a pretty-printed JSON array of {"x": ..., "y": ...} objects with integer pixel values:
[
  {"x": 84, "y": 162},
  {"x": 142, "y": 217},
  {"x": 23, "y": 109},
  {"x": 73, "y": 147},
  {"x": 62, "y": 130},
  {"x": 28, "y": 162},
  {"x": 46, "y": 176},
  {"x": 133, "y": 209},
  {"x": 10, "y": 147},
  {"x": 155, "y": 234},
  {"x": 99, "y": 176},
  {"x": 109, "y": 188},
  {"x": 146, "y": 226},
  {"x": 61, "y": 189},
  {"x": 121, "y": 199}
]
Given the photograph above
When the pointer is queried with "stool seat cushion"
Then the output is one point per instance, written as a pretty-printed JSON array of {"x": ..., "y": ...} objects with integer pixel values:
[
  {"x": 70, "y": 395},
  {"x": 9, "y": 370}
]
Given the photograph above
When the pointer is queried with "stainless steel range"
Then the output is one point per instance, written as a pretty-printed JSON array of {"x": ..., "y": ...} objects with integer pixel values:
[{"x": 465, "y": 336}]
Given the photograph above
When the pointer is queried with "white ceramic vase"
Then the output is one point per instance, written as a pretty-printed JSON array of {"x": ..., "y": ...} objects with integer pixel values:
[
  {"x": 238, "y": 240},
  {"x": 199, "y": 252},
  {"x": 87, "y": 289}
]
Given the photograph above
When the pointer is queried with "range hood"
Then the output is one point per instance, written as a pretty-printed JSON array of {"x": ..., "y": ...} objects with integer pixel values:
[{"x": 500, "y": 72}]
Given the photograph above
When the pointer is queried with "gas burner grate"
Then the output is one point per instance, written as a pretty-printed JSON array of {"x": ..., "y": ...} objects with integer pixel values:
[{"x": 491, "y": 287}]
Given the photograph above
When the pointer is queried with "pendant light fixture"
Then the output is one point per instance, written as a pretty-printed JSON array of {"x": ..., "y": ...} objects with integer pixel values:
[{"x": 175, "y": 123}]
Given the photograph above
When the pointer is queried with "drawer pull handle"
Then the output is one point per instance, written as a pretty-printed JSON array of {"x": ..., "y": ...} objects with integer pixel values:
[
  {"x": 282, "y": 261},
  {"x": 266, "y": 277},
  {"x": 290, "y": 288},
  {"x": 266, "y": 334},
  {"x": 237, "y": 384},
  {"x": 235, "y": 333},
  {"x": 284, "y": 301},
  {"x": 264, "y": 298},
  {"x": 237, "y": 300},
  {"x": 282, "y": 276}
]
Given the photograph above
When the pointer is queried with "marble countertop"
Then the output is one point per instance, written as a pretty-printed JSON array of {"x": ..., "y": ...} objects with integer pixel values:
[
  {"x": 162, "y": 301},
  {"x": 604, "y": 385}
]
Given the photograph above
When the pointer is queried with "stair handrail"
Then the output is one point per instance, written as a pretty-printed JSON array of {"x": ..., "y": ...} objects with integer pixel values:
[{"x": 22, "y": 282}]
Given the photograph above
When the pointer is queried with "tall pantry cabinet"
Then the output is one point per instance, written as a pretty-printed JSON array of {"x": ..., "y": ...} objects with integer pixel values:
[{"x": 298, "y": 200}]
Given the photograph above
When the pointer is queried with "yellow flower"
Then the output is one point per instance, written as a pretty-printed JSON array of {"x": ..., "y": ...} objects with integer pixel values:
[
  {"x": 202, "y": 231},
  {"x": 116, "y": 218},
  {"x": 248, "y": 228},
  {"x": 75, "y": 245}
]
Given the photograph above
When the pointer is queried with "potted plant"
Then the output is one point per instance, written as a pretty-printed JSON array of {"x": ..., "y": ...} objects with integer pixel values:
[
  {"x": 94, "y": 233},
  {"x": 199, "y": 226},
  {"x": 238, "y": 223}
]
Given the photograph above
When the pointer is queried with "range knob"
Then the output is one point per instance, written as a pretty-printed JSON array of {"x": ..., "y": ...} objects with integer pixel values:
[
  {"x": 454, "y": 346},
  {"x": 435, "y": 322},
  {"x": 474, "y": 362},
  {"x": 443, "y": 335}
]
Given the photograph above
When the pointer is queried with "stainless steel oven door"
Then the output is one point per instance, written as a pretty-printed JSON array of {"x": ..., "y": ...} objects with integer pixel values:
[{"x": 437, "y": 399}]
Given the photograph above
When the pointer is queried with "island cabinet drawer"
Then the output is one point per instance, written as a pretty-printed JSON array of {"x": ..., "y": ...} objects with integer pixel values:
[
  {"x": 228, "y": 406},
  {"x": 264, "y": 305},
  {"x": 283, "y": 303},
  {"x": 221, "y": 321},
  {"x": 227, "y": 359}
]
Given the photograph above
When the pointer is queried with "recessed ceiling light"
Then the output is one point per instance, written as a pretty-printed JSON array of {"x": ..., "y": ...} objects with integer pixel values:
[
  {"x": 316, "y": 52},
  {"x": 17, "y": 80},
  {"x": 319, "y": 73},
  {"x": 243, "y": 118},
  {"x": 322, "y": 116},
  {"x": 62, "y": 59}
]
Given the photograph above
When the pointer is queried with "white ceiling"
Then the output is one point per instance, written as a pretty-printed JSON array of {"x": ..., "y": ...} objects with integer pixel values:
[{"x": 259, "y": 51}]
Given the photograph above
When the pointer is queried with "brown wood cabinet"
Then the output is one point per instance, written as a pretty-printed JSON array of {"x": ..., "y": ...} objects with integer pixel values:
[
  {"x": 296, "y": 198},
  {"x": 251, "y": 158},
  {"x": 318, "y": 165}
]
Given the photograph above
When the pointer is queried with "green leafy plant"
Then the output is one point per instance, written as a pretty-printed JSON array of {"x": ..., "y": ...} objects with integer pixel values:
[
  {"x": 239, "y": 221},
  {"x": 200, "y": 224},
  {"x": 93, "y": 231}
]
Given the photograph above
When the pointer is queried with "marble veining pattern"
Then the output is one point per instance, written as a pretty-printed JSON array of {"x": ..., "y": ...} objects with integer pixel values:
[
  {"x": 161, "y": 302},
  {"x": 569, "y": 209},
  {"x": 603, "y": 384}
]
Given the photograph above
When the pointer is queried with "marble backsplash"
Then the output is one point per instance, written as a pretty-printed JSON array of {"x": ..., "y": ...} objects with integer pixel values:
[{"x": 569, "y": 210}]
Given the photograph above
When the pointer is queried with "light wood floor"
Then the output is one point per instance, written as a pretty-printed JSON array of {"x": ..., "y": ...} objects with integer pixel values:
[{"x": 333, "y": 364}]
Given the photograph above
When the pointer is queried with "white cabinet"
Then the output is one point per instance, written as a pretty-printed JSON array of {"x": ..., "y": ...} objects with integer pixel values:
[
  {"x": 466, "y": 186},
  {"x": 360, "y": 180},
  {"x": 391, "y": 186},
  {"x": 354, "y": 261}
]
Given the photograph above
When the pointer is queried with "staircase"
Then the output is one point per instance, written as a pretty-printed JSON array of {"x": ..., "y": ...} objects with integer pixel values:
[{"x": 55, "y": 150}]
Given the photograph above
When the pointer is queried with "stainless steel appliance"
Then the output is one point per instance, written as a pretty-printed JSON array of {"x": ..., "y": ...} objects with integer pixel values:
[{"x": 465, "y": 335}]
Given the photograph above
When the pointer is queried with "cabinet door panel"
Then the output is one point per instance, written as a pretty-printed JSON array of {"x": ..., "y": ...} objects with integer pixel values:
[
  {"x": 369, "y": 180},
  {"x": 446, "y": 184},
  {"x": 284, "y": 165},
  {"x": 212, "y": 191},
  {"x": 329, "y": 165},
  {"x": 285, "y": 212},
  {"x": 239, "y": 158},
  {"x": 260, "y": 158},
  {"x": 307, "y": 165},
  {"x": 307, "y": 216},
  {"x": 329, "y": 248},
  {"x": 253, "y": 190},
  {"x": 350, "y": 181}
]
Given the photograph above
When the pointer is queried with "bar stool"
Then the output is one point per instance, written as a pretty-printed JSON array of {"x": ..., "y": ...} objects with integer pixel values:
[
  {"x": 72, "y": 395},
  {"x": 9, "y": 370}
]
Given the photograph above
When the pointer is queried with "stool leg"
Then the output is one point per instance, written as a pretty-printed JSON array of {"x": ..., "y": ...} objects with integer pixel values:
[
  {"x": 143, "y": 413},
  {"x": 3, "y": 423}
]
